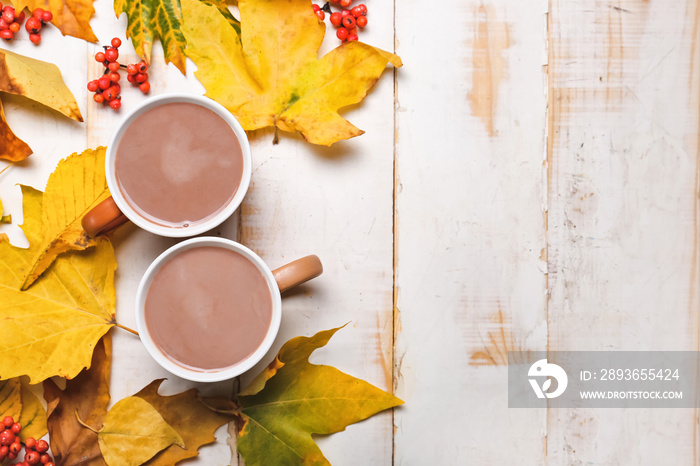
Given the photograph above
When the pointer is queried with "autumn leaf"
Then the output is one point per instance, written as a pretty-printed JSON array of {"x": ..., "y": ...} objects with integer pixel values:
[
  {"x": 270, "y": 74},
  {"x": 133, "y": 432},
  {"x": 88, "y": 395},
  {"x": 296, "y": 399},
  {"x": 33, "y": 416},
  {"x": 189, "y": 416},
  {"x": 52, "y": 328},
  {"x": 71, "y": 17},
  {"x": 151, "y": 19},
  {"x": 12, "y": 148},
  {"x": 222, "y": 6},
  {"x": 37, "y": 80},
  {"x": 14, "y": 262},
  {"x": 76, "y": 186},
  {"x": 148, "y": 20},
  {"x": 18, "y": 401},
  {"x": 10, "y": 398}
]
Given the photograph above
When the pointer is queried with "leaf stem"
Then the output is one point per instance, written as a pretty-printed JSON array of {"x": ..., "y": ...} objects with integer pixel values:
[
  {"x": 230, "y": 412},
  {"x": 80, "y": 421},
  {"x": 126, "y": 328}
]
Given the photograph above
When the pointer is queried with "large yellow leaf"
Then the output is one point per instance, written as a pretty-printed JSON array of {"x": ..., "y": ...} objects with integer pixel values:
[
  {"x": 37, "y": 80},
  {"x": 295, "y": 399},
  {"x": 133, "y": 432},
  {"x": 10, "y": 398},
  {"x": 71, "y": 17},
  {"x": 52, "y": 328},
  {"x": 270, "y": 74},
  {"x": 12, "y": 148},
  {"x": 33, "y": 417},
  {"x": 76, "y": 186}
]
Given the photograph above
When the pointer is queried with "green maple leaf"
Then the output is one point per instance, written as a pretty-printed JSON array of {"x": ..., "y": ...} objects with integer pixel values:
[
  {"x": 293, "y": 399},
  {"x": 151, "y": 19}
]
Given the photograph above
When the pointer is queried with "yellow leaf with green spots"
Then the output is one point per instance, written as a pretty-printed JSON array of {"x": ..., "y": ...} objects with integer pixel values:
[{"x": 270, "y": 74}]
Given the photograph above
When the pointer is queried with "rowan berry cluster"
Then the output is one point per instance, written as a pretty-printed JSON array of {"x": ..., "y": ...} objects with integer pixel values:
[
  {"x": 107, "y": 88},
  {"x": 35, "y": 451},
  {"x": 11, "y": 23},
  {"x": 346, "y": 20},
  {"x": 10, "y": 445}
]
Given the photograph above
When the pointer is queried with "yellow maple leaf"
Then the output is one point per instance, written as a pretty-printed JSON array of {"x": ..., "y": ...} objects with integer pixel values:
[
  {"x": 270, "y": 75},
  {"x": 76, "y": 186},
  {"x": 71, "y": 17},
  {"x": 52, "y": 328}
]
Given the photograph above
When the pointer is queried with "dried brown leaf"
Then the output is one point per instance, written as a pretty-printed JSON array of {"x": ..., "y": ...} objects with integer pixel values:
[{"x": 88, "y": 393}]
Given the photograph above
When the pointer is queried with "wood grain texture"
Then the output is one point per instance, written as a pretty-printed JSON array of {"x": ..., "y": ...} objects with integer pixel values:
[
  {"x": 337, "y": 203},
  {"x": 623, "y": 211},
  {"x": 132, "y": 367},
  {"x": 528, "y": 180},
  {"x": 469, "y": 229}
]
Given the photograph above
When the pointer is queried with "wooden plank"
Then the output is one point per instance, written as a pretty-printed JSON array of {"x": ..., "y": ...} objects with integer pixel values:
[
  {"x": 337, "y": 203},
  {"x": 132, "y": 367},
  {"x": 470, "y": 228},
  {"x": 623, "y": 211}
]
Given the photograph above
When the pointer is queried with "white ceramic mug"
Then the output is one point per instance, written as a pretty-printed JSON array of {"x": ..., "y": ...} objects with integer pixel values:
[
  {"x": 115, "y": 210},
  {"x": 279, "y": 280}
]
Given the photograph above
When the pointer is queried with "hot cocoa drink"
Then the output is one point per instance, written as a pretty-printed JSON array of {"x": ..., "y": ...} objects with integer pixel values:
[
  {"x": 208, "y": 308},
  {"x": 178, "y": 164}
]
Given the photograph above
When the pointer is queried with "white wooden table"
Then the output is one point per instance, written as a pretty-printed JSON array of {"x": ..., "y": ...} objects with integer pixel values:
[{"x": 528, "y": 180}]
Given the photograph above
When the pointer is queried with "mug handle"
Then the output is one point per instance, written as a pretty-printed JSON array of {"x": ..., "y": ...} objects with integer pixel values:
[
  {"x": 297, "y": 272},
  {"x": 102, "y": 218}
]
